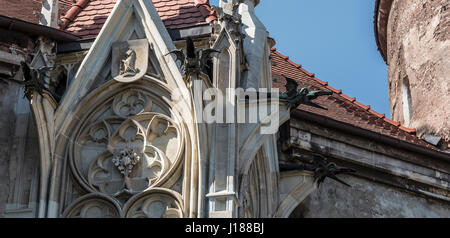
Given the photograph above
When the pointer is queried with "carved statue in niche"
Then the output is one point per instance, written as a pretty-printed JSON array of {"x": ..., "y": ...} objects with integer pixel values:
[
  {"x": 128, "y": 64},
  {"x": 129, "y": 60}
]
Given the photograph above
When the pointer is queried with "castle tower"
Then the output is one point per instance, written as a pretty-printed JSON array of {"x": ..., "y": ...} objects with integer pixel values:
[{"x": 414, "y": 39}]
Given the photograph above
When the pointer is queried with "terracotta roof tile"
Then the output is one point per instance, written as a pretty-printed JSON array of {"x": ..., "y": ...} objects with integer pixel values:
[
  {"x": 21, "y": 9},
  {"x": 338, "y": 91},
  {"x": 64, "y": 6},
  {"x": 351, "y": 99},
  {"x": 341, "y": 107},
  {"x": 85, "y": 15},
  {"x": 377, "y": 114}
]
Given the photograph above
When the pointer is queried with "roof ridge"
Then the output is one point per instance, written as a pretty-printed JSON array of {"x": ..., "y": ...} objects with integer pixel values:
[
  {"x": 203, "y": 6},
  {"x": 339, "y": 92},
  {"x": 73, "y": 12},
  {"x": 206, "y": 10}
]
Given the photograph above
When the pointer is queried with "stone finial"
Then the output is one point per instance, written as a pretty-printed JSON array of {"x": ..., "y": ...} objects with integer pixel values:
[
  {"x": 227, "y": 6},
  {"x": 254, "y": 45},
  {"x": 254, "y": 2},
  {"x": 49, "y": 13},
  {"x": 272, "y": 41}
]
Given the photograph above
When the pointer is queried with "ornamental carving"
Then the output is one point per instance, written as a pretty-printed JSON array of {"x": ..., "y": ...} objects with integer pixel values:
[
  {"x": 93, "y": 206},
  {"x": 128, "y": 64},
  {"x": 129, "y": 60},
  {"x": 128, "y": 148},
  {"x": 154, "y": 203}
]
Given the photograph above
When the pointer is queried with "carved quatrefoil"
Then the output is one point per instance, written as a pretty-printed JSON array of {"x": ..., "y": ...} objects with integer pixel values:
[{"x": 130, "y": 151}]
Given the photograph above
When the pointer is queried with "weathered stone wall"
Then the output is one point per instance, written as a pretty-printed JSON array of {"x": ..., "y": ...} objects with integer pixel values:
[
  {"x": 8, "y": 98},
  {"x": 366, "y": 199},
  {"x": 19, "y": 154},
  {"x": 419, "y": 65}
]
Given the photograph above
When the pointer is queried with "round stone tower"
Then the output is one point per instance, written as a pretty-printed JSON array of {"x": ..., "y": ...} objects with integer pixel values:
[{"x": 413, "y": 37}]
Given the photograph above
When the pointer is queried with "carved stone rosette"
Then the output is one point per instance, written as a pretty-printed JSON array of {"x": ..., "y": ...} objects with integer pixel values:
[{"x": 128, "y": 146}]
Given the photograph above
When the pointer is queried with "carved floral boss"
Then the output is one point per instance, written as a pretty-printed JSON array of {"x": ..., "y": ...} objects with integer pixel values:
[{"x": 130, "y": 151}]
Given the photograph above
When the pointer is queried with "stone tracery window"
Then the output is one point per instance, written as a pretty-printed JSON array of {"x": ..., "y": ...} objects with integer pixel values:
[{"x": 125, "y": 149}]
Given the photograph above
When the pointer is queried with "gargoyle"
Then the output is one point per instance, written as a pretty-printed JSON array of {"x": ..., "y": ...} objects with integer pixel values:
[
  {"x": 33, "y": 80},
  {"x": 319, "y": 165},
  {"x": 324, "y": 169},
  {"x": 305, "y": 96},
  {"x": 195, "y": 62}
]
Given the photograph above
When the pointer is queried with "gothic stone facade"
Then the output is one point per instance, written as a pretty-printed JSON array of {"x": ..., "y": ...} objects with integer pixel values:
[{"x": 113, "y": 133}]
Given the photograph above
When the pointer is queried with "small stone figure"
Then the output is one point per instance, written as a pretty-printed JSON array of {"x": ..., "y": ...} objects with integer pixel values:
[
  {"x": 195, "y": 62},
  {"x": 303, "y": 96},
  {"x": 128, "y": 64}
]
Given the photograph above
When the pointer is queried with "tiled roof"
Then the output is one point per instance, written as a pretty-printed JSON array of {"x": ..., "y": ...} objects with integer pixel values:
[
  {"x": 24, "y": 9},
  {"x": 86, "y": 18},
  {"x": 66, "y": 2},
  {"x": 21, "y": 9},
  {"x": 64, "y": 6},
  {"x": 341, "y": 107}
]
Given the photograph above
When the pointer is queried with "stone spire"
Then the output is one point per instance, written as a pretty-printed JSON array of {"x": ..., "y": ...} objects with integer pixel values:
[
  {"x": 255, "y": 44},
  {"x": 227, "y": 6},
  {"x": 49, "y": 13}
]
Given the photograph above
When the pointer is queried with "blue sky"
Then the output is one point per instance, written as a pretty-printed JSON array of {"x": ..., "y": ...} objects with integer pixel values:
[{"x": 333, "y": 39}]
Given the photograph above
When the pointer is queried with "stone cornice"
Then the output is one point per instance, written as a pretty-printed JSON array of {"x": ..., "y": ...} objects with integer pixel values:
[{"x": 381, "y": 18}]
